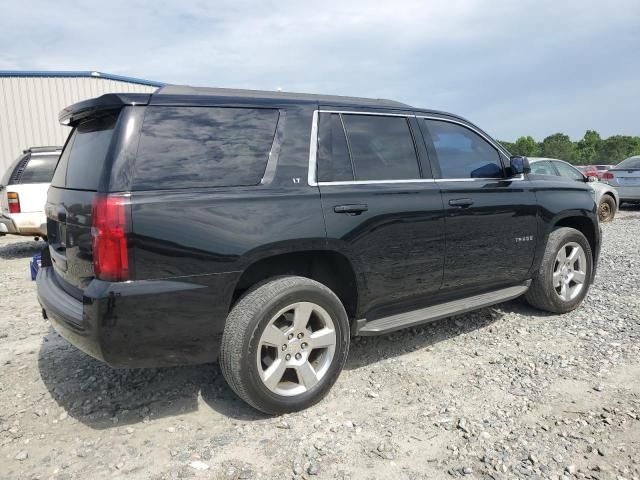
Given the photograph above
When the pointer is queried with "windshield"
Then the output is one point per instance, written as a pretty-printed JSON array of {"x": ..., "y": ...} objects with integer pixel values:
[{"x": 629, "y": 163}]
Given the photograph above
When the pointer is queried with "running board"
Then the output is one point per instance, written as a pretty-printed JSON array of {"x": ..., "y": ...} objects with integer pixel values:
[{"x": 443, "y": 310}]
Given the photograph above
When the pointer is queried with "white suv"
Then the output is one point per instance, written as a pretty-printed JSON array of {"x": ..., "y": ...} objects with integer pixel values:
[{"x": 23, "y": 192}]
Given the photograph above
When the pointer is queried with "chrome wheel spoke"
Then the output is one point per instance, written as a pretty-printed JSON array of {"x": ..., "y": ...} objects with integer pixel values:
[
  {"x": 563, "y": 290},
  {"x": 307, "y": 375},
  {"x": 573, "y": 256},
  {"x": 557, "y": 278},
  {"x": 562, "y": 255},
  {"x": 274, "y": 373},
  {"x": 301, "y": 315},
  {"x": 322, "y": 338},
  {"x": 578, "y": 276},
  {"x": 273, "y": 336}
]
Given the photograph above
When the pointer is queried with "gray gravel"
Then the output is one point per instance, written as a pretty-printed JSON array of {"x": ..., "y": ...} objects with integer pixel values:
[{"x": 505, "y": 392}]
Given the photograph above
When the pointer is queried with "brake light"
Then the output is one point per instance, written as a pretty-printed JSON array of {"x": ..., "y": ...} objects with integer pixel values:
[
  {"x": 608, "y": 176},
  {"x": 110, "y": 223},
  {"x": 14, "y": 202}
]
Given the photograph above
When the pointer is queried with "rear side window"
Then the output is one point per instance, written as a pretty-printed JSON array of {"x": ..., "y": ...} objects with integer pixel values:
[
  {"x": 190, "y": 147},
  {"x": 463, "y": 153},
  {"x": 630, "y": 163},
  {"x": 543, "y": 168},
  {"x": 82, "y": 160},
  {"x": 381, "y": 147},
  {"x": 568, "y": 171},
  {"x": 334, "y": 164},
  {"x": 39, "y": 169}
]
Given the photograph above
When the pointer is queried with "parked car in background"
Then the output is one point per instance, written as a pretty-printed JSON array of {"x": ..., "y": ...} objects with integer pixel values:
[
  {"x": 588, "y": 170},
  {"x": 268, "y": 228},
  {"x": 625, "y": 177},
  {"x": 601, "y": 169},
  {"x": 23, "y": 192},
  {"x": 606, "y": 196}
]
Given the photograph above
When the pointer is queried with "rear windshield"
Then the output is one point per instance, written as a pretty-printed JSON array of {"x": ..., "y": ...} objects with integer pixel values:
[
  {"x": 633, "y": 162},
  {"x": 80, "y": 165},
  {"x": 39, "y": 169},
  {"x": 187, "y": 147}
]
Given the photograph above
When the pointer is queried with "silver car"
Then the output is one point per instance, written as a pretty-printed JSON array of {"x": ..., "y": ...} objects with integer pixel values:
[
  {"x": 605, "y": 195},
  {"x": 625, "y": 177}
]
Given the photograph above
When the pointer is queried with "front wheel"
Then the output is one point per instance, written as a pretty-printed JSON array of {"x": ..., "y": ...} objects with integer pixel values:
[
  {"x": 606, "y": 208},
  {"x": 564, "y": 276},
  {"x": 284, "y": 344}
]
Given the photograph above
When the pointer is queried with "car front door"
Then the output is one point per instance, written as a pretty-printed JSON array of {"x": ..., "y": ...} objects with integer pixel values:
[
  {"x": 381, "y": 206},
  {"x": 490, "y": 219}
]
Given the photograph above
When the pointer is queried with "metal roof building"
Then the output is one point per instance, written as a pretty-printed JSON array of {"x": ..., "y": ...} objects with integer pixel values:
[{"x": 30, "y": 102}]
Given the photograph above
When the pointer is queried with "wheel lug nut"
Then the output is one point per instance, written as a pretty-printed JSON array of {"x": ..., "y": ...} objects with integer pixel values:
[
  {"x": 284, "y": 347},
  {"x": 290, "y": 336},
  {"x": 304, "y": 345},
  {"x": 298, "y": 356},
  {"x": 288, "y": 357},
  {"x": 300, "y": 335}
]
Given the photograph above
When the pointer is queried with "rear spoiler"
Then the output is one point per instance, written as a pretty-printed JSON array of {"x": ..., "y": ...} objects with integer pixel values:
[{"x": 111, "y": 101}]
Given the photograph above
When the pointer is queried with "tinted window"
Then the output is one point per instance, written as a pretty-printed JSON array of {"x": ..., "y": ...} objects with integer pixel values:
[
  {"x": 183, "y": 147},
  {"x": 39, "y": 169},
  {"x": 463, "y": 153},
  {"x": 381, "y": 147},
  {"x": 334, "y": 163},
  {"x": 81, "y": 162},
  {"x": 568, "y": 171},
  {"x": 543, "y": 168}
]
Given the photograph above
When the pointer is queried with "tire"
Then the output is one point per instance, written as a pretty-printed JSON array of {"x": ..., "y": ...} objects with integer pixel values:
[
  {"x": 606, "y": 209},
  {"x": 543, "y": 294},
  {"x": 248, "y": 356}
]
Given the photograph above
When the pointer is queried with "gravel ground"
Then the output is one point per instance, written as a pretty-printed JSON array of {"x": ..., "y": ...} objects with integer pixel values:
[{"x": 505, "y": 392}]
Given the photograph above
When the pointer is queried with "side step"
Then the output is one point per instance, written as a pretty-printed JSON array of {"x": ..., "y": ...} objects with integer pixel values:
[{"x": 436, "y": 312}]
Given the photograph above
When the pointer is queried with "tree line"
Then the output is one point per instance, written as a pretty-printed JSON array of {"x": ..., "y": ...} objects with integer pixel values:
[{"x": 592, "y": 149}]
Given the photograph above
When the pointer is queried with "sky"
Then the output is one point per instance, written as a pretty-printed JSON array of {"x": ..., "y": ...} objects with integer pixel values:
[{"x": 514, "y": 68}]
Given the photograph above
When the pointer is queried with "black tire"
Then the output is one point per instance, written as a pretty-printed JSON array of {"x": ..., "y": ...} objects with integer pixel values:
[
  {"x": 542, "y": 294},
  {"x": 244, "y": 326},
  {"x": 606, "y": 208}
]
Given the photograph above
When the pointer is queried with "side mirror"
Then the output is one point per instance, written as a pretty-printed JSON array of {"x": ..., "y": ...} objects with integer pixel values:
[{"x": 519, "y": 166}]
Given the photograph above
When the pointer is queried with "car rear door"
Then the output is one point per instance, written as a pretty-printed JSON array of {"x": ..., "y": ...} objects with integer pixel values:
[
  {"x": 490, "y": 220},
  {"x": 381, "y": 206}
]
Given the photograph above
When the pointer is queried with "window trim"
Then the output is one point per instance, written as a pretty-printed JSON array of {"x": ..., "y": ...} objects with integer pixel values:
[{"x": 313, "y": 152}]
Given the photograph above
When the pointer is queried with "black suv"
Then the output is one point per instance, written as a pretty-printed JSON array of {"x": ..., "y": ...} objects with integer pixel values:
[{"x": 266, "y": 228}]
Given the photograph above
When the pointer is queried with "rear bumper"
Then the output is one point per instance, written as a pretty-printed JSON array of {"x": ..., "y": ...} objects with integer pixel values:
[
  {"x": 30, "y": 223},
  {"x": 629, "y": 193},
  {"x": 147, "y": 323}
]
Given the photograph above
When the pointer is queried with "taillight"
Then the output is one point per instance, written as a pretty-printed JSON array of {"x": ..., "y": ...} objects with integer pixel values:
[
  {"x": 608, "y": 176},
  {"x": 14, "y": 202},
  {"x": 110, "y": 223}
]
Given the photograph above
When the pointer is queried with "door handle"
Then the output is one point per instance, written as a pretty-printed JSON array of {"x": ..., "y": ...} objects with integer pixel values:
[
  {"x": 461, "y": 202},
  {"x": 351, "y": 209}
]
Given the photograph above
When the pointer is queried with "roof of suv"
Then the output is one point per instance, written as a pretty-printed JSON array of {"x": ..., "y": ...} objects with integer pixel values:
[{"x": 269, "y": 95}]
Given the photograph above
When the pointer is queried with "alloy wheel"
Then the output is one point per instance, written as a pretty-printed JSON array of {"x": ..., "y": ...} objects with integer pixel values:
[
  {"x": 296, "y": 349},
  {"x": 570, "y": 271}
]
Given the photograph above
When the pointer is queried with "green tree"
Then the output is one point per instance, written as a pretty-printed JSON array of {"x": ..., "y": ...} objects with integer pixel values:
[
  {"x": 587, "y": 148},
  {"x": 615, "y": 149},
  {"x": 559, "y": 146},
  {"x": 526, "y": 146},
  {"x": 508, "y": 145}
]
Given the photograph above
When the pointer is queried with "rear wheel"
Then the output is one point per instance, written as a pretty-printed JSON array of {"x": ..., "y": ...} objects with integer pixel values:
[
  {"x": 606, "y": 208},
  {"x": 564, "y": 276},
  {"x": 284, "y": 344}
]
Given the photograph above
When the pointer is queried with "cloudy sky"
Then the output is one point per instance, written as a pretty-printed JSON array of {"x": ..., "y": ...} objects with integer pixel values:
[{"x": 514, "y": 67}]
